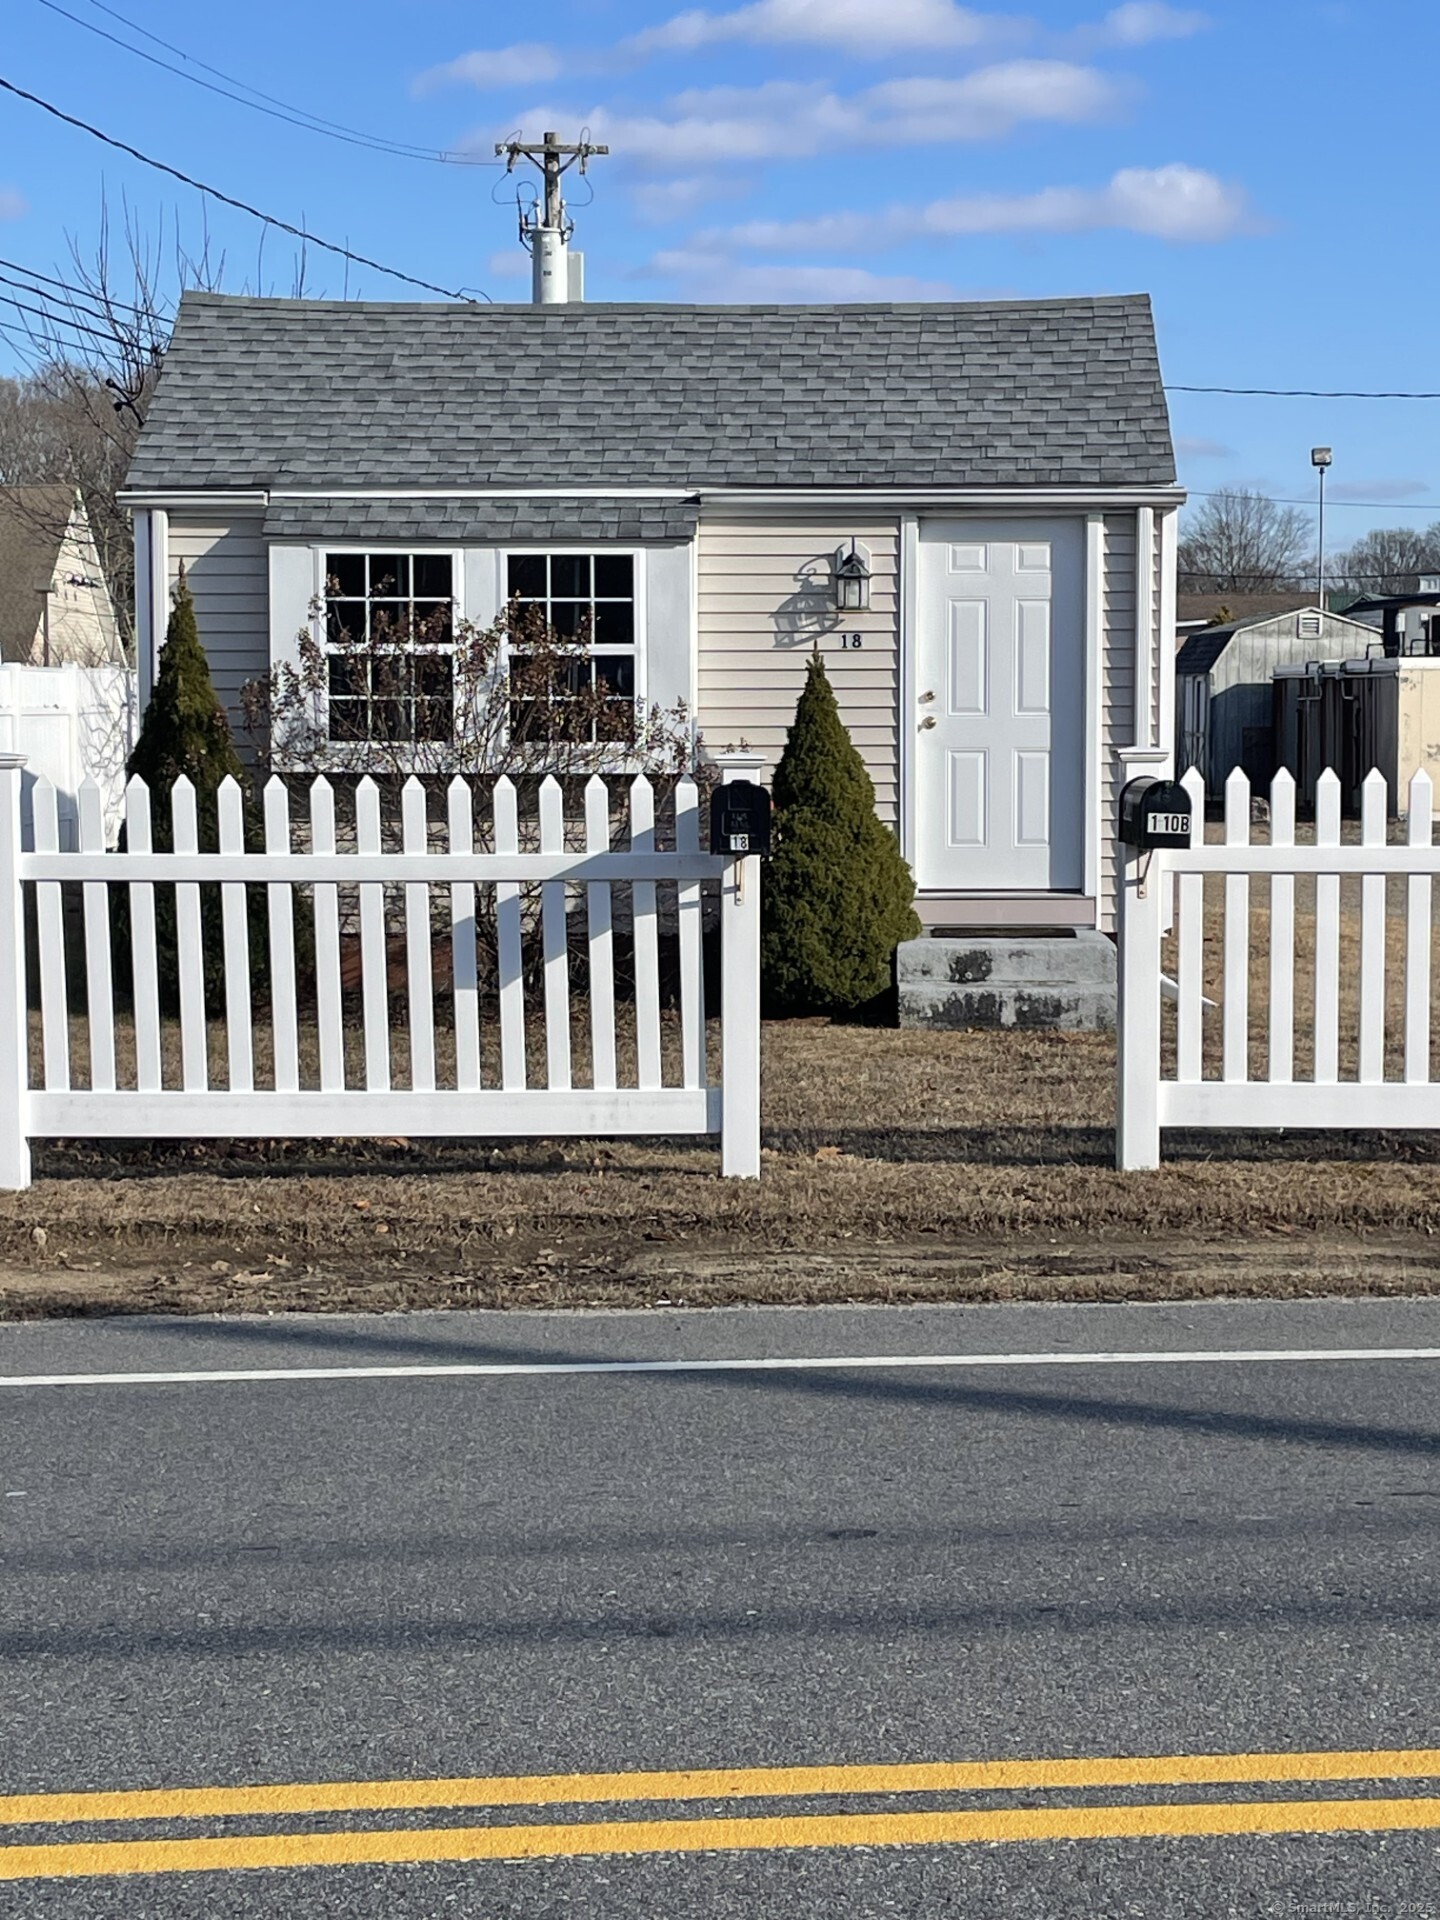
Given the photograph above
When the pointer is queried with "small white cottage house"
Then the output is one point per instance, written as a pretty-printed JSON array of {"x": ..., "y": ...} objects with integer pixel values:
[{"x": 969, "y": 508}]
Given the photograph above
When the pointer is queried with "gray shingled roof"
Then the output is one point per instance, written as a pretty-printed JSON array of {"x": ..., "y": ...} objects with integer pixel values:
[
  {"x": 481, "y": 522},
  {"x": 260, "y": 393}
]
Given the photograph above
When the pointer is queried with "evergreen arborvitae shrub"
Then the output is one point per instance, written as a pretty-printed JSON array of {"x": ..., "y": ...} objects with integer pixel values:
[
  {"x": 838, "y": 896},
  {"x": 185, "y": 731}
]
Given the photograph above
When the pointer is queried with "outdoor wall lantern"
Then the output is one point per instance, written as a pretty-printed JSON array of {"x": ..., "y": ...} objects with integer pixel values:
[{"x": 851, "y": 567}]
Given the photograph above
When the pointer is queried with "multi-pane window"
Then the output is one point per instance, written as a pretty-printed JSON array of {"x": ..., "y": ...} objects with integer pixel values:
[
  {"x": 390, "y": 630},
  {"x": 586, "y": 597}
]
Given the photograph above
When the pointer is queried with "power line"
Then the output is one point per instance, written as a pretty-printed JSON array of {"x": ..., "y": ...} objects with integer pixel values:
[
  {"x": 1304, "y": 393},
  {"x": 55, "y": 319},
  {"x": 276, "y": 109},
  {"x": 225, "y": 199},
  {"x": 1282, "y": 500},
  {"x": 86, "y": 299}
]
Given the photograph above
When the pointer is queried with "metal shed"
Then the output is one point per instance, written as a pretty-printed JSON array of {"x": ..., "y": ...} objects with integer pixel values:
[{"x": 1224, "y": 675}]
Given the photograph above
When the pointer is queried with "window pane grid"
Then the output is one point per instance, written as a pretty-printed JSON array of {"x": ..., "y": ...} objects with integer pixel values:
[
  {"x": 389, "y": 625},
  {"x": 577, "y": 594}
]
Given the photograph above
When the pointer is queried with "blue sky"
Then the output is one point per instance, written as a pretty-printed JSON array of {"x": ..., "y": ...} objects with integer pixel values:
[{"x": 1240, "y": 161}]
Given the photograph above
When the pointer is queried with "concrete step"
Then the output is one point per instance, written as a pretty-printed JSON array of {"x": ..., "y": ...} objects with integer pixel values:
[
  {"x": 931, "y": 1003},
  {"x": 1087, "y": 959}
]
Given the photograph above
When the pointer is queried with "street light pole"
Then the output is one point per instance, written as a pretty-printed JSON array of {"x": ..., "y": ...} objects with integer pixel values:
[{"x": 1320, "y": 459}]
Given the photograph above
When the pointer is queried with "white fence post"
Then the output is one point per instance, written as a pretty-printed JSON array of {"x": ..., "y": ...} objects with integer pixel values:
[
  {"x": 740, "y": 998},
  {"x": 14, "y": 1016},
  {"x": 1137, "y": 1129}
]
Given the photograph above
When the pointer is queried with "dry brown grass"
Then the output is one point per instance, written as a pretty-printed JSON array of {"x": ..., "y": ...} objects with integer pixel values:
[{"x": 897, "y": 1166}]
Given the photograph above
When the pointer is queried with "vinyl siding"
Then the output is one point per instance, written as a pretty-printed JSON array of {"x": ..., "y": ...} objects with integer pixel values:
[
  {"x": 764, "y": 598},
  {"x": 226, "y": 567},
  {"x": 1117, "y": 698}
]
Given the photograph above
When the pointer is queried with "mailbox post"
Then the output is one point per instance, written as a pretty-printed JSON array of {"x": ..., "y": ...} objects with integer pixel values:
[
  {"x": 1154, "y": 814},
  {"x": 740, "y": 832}
]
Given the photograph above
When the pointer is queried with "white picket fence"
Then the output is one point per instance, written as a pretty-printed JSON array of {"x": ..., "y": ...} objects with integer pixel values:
[
  {"x": 1322, "y": 999},
  {"x": 303, "y": 1085}
]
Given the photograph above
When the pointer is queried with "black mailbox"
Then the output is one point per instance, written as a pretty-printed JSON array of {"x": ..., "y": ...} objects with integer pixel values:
[
  {"x": 1155, "y": 813},
  {"x": 740, "y": 819}
]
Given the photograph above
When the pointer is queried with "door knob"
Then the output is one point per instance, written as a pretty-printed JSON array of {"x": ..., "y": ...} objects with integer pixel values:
[
  {"x": 928, "y": 721},
  {"x": 926, "y": 696}
]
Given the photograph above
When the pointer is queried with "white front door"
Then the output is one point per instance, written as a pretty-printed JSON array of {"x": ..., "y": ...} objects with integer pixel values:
[{"x": 999, "y": 715}]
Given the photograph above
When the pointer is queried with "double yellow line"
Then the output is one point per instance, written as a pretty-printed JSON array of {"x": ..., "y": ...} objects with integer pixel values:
[{"x": 393, "y": 1846}]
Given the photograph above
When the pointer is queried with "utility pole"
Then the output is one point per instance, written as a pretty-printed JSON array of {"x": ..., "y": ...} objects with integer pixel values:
[
  {"x": 1320, "y": 459},
  {"x": 559, "y": 275}
]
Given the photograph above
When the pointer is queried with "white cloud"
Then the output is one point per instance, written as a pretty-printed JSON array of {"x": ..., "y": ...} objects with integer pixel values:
[
  {"x": 1382, "y": 490},
  {"x": 658, "y": 202},
  {"x": 716, "y": 277},
  {"x": 1188, "y": 448},
  {"x": 526, "y": 64},
  {"x": 510, "y": 263},
  {"x": 1139, "y": 22},
  {"x": 1177, "y": 203},
  {"x": 858, "y": 26},
  {"x": 706, "y": 127},
  {"x": 13, "y": 204}
]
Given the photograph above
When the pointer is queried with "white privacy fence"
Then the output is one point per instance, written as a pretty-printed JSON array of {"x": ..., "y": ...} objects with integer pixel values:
[
  {"x": 1301, "y": 988},
  {"x": 286, "y": 967}
]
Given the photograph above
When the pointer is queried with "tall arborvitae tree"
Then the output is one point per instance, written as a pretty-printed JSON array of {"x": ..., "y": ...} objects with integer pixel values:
[
  {"x": 184, "y": 730},
  {"x": 838, "y": 896}
]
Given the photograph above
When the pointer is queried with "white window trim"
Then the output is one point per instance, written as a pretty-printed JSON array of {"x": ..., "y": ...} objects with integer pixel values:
[
  {"x": 640, "y": 644},
  {"x": 573, "y": 550},
  {"x": 318, "y": 551}
]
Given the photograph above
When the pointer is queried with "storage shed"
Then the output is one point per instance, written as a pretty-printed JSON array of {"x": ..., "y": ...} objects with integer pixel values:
[{"x": 1224, "y": 700}]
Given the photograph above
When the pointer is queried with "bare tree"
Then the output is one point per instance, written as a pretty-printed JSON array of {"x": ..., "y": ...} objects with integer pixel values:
[
  {"x": 1388, "y": 560},
  {"x": 1238, "y": 541},
  {"x": 94, "y": 342}
]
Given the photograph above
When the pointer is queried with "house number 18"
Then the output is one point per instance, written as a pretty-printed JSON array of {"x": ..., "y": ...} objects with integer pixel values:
[{"x": 852, "y": 642}]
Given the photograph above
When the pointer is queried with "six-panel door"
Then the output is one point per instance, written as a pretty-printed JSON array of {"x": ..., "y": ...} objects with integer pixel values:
[{"x": 999, "y": 715}]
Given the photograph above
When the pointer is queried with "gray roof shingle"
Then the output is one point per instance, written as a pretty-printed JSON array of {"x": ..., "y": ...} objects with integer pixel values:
[
  {"x": 544, "y": 517},
  {"x": 316, "y": 393}
]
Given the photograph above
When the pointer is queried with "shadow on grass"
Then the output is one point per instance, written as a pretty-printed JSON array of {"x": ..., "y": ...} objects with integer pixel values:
[{"x": 1012, "y": 1146}]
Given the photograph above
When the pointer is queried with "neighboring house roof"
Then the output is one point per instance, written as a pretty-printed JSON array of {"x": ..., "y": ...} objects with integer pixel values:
[
  {"x": 1198, "y": 652},
  {"x": 1241, "y": 606},
  {"x": 324, "y": 394},
  {"x": 33, "y": 522}
]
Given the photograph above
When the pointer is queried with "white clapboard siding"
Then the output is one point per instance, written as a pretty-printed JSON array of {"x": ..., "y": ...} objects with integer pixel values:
[
  {"x": 764, "y": 594},
  {"x": 333, "y": 868},
  {"x": 1342, "y": 1090}
]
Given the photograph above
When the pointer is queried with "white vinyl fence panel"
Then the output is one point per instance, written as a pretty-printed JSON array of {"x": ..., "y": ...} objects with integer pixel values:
[
  {"x": 303, "y": 1053},
  {"x": 1319, "y": 1036},
  {"x": 72, "y": 724}
]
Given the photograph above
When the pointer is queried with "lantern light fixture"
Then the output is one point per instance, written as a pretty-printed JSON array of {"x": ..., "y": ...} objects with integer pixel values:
[{"x": 851, "y": 568}]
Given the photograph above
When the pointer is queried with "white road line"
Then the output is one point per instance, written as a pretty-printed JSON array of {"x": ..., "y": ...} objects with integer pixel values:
[{"x": 832, "y": 1363}]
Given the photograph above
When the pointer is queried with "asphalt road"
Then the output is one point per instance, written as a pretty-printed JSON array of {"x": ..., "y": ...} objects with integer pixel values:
[{"x": 232, "y": 1583}]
